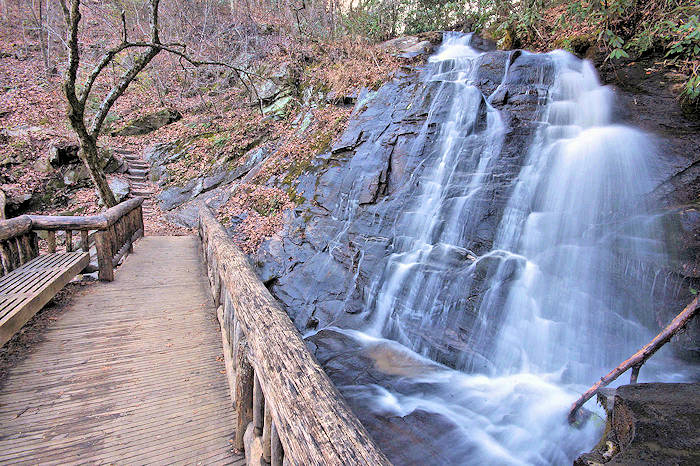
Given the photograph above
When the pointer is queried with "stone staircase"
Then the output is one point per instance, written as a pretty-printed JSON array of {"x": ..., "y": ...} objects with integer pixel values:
[{"x": 137, "y": 174}]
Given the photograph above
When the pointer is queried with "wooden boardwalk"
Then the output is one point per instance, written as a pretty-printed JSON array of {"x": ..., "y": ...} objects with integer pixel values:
[{"x": 130, "y": 374}]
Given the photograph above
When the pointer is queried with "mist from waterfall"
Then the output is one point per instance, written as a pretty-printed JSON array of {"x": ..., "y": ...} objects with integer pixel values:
[{"x": 550, "y": 313}]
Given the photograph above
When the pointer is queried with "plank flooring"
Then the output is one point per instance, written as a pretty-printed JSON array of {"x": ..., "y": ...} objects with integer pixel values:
[{"x": 130, "y": 374}]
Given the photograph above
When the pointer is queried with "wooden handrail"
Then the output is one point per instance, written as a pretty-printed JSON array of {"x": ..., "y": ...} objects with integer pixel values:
[
  {"x": 114, "y": 232},
  {"x": 89, "y": 222},
  {"x": 640, "y": 357},
  {"x": 282, "y": 394},
  {"x": 15, "y": 227}
]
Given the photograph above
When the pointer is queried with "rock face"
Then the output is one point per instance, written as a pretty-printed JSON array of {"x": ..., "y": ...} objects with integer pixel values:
[
  {"x": 181, "y": 201},
  {"x": 149, "y": 123},
  {"x": 651, "y": 423},
  {"x": 321, "y": 266}
]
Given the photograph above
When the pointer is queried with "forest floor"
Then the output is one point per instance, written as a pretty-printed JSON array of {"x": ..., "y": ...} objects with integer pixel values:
[{"x": 212, "y": 104}]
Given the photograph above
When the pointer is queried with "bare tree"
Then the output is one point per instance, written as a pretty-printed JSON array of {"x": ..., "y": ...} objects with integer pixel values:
[{"x": 88, "y": 132}]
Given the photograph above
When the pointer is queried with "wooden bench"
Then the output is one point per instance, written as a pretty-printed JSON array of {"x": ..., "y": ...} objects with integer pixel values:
[
  {"x": 29, "y": 280},
  {"x": 24, "y": 291}
]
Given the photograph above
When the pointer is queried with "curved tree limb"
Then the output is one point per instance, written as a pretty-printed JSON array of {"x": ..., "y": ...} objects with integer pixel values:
[{"x": 640, "y": 357}]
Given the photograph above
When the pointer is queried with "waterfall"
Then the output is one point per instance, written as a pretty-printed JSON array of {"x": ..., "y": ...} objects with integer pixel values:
[
  {"x": 558, "y": 299},
  {"x": 576, "y": 208}
]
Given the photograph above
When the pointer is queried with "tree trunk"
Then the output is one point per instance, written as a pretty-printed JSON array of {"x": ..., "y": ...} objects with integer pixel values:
[{"x": 89, "y": 155}]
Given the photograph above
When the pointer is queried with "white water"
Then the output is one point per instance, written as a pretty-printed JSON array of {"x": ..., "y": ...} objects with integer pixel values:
[{"x": 550, "y": 320}]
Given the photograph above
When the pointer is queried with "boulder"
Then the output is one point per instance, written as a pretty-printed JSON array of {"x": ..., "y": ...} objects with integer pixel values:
[
  {"x": 650, "y": 423},
  {"x": 43, "y": 165},
  {"x": 399, "y": 44},
  {"x": 279, "y": 108},
  {"x": 120, "y": 189},
  {"x": 149, "y": 123},
  {"x": 17, "y": 201},
  {"x": 110, "y": 163},
  {"x": 76, "y": 175},
  {"x": 177, "y": 195},
  {"x": 408, "y": 46},
  {"x": 63, "y": 153},
  {"x": 421, "y": 48}
]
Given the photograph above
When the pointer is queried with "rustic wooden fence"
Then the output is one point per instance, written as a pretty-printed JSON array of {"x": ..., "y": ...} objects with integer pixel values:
[
  {"x": 284, "y": 401},
  {"x": 113, "y": 233}
]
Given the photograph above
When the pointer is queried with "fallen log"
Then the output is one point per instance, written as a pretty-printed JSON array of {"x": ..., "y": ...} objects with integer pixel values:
[{"x": 640, "y": 357}]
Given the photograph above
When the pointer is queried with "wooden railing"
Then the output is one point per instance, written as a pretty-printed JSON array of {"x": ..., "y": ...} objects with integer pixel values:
[
  {"x": 636, "y": 361},
  {"x": 284, "y": 401},
  {"x": 113, "y": 233}
]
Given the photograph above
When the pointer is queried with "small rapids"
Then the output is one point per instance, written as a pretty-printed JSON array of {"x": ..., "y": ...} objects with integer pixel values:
[{"x": 555, "y": 299}]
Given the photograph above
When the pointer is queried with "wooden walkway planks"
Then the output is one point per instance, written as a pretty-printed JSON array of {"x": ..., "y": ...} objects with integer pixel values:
[{"x": 130, "y": 374}]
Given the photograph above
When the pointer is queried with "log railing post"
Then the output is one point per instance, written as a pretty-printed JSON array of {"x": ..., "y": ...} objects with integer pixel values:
[
  {"x": 258, "y": 407},
  {"x": 140, "y": 220},
  {"x": 103, "y": 243},
  {"x": 635, "y": 374},
  {"x": 69, "y": 241},
  {"x": 5, "y": 258},
  {"x": 85, "y": 240},
  {"x": 51, "y": 240},
  {"x": 276, "y": 451},
  {"x": 267, "y": 432},
  {"x": 244, "y": 393}
]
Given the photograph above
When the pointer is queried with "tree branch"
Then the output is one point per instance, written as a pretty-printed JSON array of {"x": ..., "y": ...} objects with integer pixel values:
[{"x": 126, "y": 79}]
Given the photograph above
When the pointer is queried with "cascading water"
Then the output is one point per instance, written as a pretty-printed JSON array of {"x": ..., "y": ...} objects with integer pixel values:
[
  {"x": 551, "y": 300},
  {"x": 582, "y": 175},
  {"x": 410, "y": 291}
]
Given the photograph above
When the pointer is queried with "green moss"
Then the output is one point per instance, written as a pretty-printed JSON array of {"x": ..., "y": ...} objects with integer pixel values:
[
  {"x": 268, "y": 206},
  {"x": 295, "y": 197},
  {"x": 577, "y": 43}
]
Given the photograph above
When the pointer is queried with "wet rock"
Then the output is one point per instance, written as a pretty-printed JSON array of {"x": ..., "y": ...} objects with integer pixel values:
[
  {"x": 642, "y": 88},
  {"x": 483, "y": 44},
  {"x": 149, "y": 123},
  {"x": 357, "y": 369},
  {"x": 356, "y": 193}
]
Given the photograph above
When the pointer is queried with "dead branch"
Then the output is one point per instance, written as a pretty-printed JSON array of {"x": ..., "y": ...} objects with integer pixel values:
[{"x": 640, "y": 357}]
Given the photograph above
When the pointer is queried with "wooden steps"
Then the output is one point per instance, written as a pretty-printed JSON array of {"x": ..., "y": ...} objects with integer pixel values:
[
  {"x": 130, "y": 374},
  {"x": 137, "y": 174}
]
